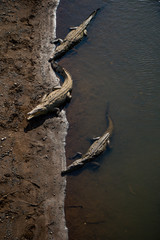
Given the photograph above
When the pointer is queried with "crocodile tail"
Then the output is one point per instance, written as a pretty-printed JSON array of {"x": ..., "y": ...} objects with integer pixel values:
[
  {"x": 57, "y": 68},
  {"x": 109, "y": 120},
  {"x": 110, "y": 125},
  {"x": 107, "y": 109},
  {"x": 92, "y": 15},
  {"x": 94, "y": 12}
]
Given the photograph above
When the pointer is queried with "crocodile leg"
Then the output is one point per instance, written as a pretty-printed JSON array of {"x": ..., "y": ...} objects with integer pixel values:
[
  {"x": 95, "y": 138},
  {"x": 95, "y": 164},
  {"x": 85, "y": 32},
  {"x": 57, "y": 111},
  {"x": 73, "y": 28},
  {"x": 56, "y": 87},
  {"x": 58, "y": 40},
  {"x": 109, "y": 144},
  {"x": 69, "y": 96},
  {"x": 78, "y": 154}
]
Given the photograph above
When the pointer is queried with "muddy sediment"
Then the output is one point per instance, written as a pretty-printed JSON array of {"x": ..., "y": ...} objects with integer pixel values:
[{"x": 32, "y": 155}]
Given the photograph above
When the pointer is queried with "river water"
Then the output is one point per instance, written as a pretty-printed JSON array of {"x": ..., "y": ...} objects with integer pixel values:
[{"x": 118, "y": 62}]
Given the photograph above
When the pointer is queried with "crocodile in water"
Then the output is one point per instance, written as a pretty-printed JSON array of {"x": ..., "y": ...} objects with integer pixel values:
[
  {"x": 74, "y": 36},
  {"x": 95, "y": 150}
]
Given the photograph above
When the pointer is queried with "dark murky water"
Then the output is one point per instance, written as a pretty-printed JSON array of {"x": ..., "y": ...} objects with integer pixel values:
[{"x": 118, "y": 62}]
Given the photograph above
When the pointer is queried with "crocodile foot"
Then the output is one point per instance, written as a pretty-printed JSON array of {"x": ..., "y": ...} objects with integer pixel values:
[{"x": 77, "y": 155}]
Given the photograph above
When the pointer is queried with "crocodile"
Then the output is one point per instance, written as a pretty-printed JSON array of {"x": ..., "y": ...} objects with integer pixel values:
[
  {"x": 73, "y": 37},
  {"x": 94, "y": 150},
  {"x": 52, "y": 101}
]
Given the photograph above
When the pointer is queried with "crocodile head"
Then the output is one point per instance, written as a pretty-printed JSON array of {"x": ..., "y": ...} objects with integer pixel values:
[{"x": 37, "y": 111}]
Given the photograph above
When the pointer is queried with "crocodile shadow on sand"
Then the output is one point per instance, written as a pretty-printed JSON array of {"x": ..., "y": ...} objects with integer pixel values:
[{"x": 40, "y": 120}]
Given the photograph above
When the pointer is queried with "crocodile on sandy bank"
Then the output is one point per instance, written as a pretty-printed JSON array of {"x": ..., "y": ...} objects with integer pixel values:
[
  {"x": 51, "y": 102},
  {"x": 95, "y": 149},
  {"x": 72, "y": 38}
]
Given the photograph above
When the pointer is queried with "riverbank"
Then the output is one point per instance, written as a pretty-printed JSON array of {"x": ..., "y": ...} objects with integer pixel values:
[{"x": 32, "y": 155}]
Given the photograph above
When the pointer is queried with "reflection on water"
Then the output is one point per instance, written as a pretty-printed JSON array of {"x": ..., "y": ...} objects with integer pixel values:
[{"x": 118, "y": 62}]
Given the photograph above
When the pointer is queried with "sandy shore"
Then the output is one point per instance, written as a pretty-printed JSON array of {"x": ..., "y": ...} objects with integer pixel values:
[{"x": 32, "y": 155}]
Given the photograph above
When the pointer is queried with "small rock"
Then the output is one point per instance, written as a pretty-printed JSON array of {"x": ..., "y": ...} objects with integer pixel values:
[
  {"x": 7, "y": 175},
  {"x": 44, "y": 138},
  {"x": 3, "y": 139}
]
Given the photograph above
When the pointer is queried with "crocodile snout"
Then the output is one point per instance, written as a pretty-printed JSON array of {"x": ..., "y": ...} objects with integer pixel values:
[{"x": 37, "y": 111}]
